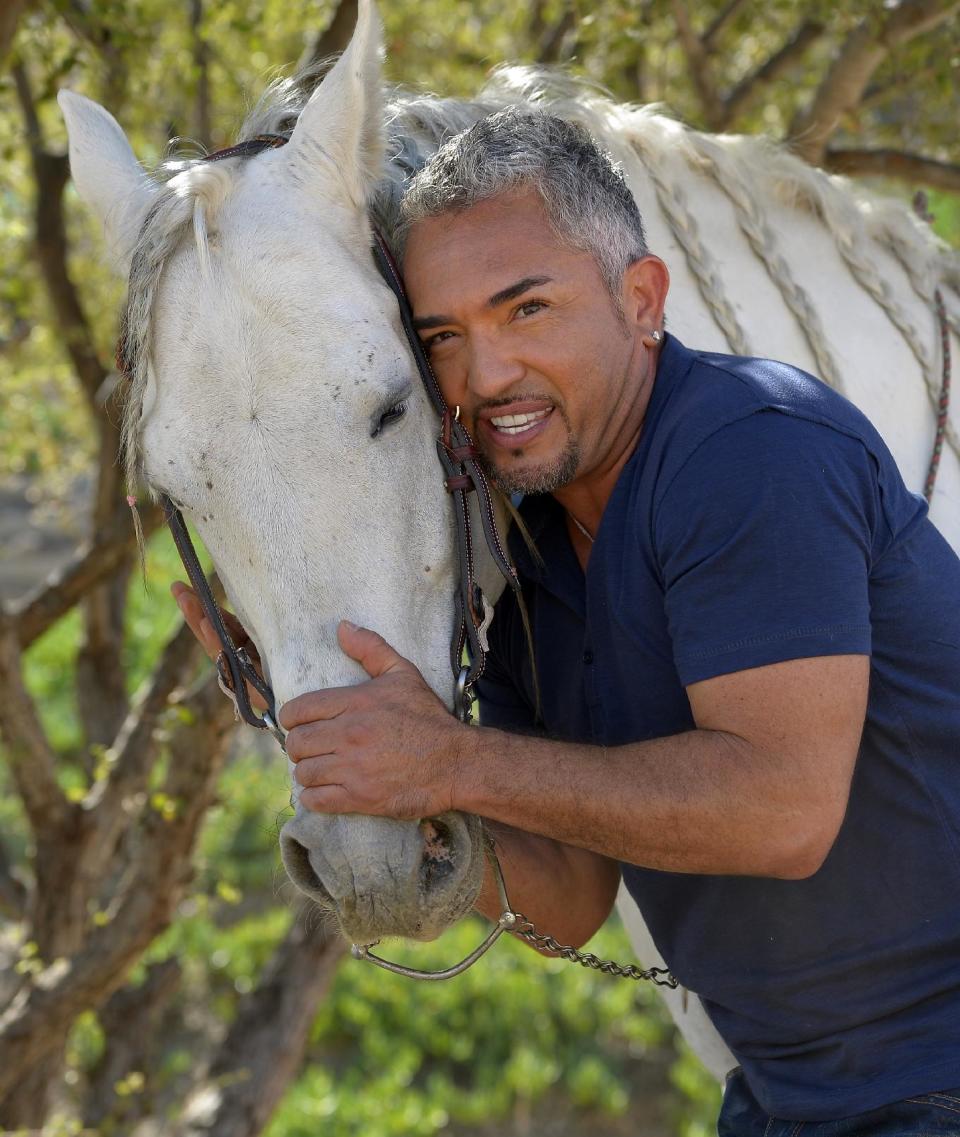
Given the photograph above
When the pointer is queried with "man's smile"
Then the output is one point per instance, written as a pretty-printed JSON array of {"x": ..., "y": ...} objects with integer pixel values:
[{"x": 516, "y": 424}]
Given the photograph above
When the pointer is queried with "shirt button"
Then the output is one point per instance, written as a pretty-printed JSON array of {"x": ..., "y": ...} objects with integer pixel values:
[{"x": 588, "y": 657}]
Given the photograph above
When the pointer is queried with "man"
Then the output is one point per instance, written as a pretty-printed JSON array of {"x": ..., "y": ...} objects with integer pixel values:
[{"x": 747, "y": 642}]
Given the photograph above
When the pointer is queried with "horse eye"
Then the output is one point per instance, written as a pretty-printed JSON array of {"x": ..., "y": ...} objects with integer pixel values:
[{"x": 391, "y": 415}]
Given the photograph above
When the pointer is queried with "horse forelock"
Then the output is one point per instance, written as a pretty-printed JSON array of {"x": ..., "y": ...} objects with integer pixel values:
[{"x": 190, "y": 199}]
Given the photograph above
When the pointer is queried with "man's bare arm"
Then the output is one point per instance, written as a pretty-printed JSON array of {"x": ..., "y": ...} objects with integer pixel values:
[
  {"x": 565, "y": 891},
  {"x": 759, "y": 788}
]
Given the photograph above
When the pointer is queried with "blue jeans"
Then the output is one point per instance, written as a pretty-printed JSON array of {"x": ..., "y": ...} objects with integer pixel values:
[{"x": 926, "y": 1115}]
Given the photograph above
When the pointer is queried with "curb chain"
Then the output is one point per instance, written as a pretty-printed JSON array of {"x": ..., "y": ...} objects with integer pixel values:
[{"x": 526, "y": 930}]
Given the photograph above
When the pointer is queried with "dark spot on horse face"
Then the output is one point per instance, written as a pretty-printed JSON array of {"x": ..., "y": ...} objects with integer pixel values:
[
  {"x": 437, "y": 862},
  {"x": 369, "y": 357},
  {"x": 426, "y": 568},
  {"x": 209, "y": 485}
]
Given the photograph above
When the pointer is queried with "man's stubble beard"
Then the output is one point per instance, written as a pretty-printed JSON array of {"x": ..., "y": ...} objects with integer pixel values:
[{"x": 538, "y": 479}]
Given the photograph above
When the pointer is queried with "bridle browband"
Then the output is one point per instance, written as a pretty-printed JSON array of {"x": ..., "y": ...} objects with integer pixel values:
[{"x": 463, "y": 475}]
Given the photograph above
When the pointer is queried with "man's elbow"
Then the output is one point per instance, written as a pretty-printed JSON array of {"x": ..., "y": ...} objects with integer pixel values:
[{"x": 806, "y": 848}]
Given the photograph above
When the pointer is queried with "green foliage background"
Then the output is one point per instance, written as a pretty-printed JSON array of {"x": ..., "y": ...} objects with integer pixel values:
[{"x": 386, "y": 1057}]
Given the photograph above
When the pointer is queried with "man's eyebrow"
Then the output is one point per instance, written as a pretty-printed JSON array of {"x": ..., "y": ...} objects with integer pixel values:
[
  {"x": 515, "y": 290},
  {"x": 511, "y": 292}
]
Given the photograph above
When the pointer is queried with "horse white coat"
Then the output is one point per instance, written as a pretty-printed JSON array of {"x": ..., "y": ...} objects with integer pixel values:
[{"x": 269, "y": 349}]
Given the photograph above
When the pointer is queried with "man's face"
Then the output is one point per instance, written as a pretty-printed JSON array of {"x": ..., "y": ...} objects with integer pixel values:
[{"x": 525, "y": 338}]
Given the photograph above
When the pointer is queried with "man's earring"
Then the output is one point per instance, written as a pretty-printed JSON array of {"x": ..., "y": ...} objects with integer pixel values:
[{"x": 652, "y": 339}]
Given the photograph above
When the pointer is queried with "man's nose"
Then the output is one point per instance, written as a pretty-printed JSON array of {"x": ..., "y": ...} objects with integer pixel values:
[{"x": 492, "y": 369}]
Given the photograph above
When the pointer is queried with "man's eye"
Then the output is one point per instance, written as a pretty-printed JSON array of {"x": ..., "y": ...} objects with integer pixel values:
[
  {"x": 430, "y": 342},
  {"x": 529, "y": 307}
]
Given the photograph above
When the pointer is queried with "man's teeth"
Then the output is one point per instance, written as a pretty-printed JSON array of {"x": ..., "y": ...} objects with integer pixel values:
[{"x": 516, "y": 424}]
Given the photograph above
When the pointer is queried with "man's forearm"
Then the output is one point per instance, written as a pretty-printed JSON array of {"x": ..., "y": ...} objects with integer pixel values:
[
  {"x": 565, "y": 890},
  {"x": 702, "y": 801}
]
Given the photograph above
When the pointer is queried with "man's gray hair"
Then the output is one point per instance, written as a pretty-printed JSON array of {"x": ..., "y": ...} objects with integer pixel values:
[{"x": 584, "y": 192}]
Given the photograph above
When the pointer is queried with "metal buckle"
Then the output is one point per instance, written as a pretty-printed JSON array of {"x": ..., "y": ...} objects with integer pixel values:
[{"x": 463, "y": 697}]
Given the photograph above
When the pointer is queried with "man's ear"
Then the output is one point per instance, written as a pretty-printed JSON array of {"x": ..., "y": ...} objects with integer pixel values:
[
  {"x": 106, "y": 173},
  {"x": 646, "y": 282},
  {"x": 339, "y": 135}
]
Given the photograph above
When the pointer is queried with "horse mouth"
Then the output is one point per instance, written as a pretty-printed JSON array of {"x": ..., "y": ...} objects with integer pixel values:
[{"x": 423, "y": 879}]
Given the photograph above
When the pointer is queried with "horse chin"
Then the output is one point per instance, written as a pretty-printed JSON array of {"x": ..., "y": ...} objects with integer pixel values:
[{"x": 379, "y": 877}]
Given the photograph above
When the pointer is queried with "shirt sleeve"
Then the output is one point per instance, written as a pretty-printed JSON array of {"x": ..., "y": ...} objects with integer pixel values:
[{"x": 764, "y": 539}]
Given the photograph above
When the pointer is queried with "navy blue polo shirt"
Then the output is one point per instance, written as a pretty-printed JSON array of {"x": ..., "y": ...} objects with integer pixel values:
[{"x": 760, "y": 519}]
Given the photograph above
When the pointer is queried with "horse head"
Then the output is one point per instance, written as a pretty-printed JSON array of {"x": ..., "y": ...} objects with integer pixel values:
[{"x": 274, "y": 399}]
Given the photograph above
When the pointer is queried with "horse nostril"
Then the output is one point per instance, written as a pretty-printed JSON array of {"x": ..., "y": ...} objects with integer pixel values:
[
  {"x": 437, "y": 863},
  {"x": 296, "y": 860}
]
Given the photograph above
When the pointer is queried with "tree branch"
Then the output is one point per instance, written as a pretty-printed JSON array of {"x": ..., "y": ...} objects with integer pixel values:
[
  {"x": 866, "y": 47},
  {"x": 13, "y": 892},
  {"x": 10, "y": 14},
  {"x": 885, "y": 163},
  {"x": 698, "y": 64},
  {"x": 135, "y": 750},
  {"x": 202, "y": 116},
  {"x": 728, "y": 13},
  {"x": 335, "y": 36},
  {"x": 749, "y": 89},
  {"x": 31, "y": 757},
  {"x": 264, "y": 1048},
  {"x": 50, "y": 173},
  {"x": 551, "y": 40},
  {"x": 81, "y": 20},
  {"x": 101, "y": 693},
  {"x": 34, "y": 1022},
  {"x": 92, "y": 564},
  {"x": 537, "y": 22},
  {"x": 129, "y": 1021}
]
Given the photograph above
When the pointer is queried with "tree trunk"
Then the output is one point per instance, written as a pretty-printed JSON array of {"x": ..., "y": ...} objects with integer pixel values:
[{"x": 264, "y": 1048}]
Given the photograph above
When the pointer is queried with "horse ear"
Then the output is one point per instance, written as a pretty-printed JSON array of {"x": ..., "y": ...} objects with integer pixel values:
[
  {"x": 340, "y": 130},
  {"x": 106, "y": 173}
]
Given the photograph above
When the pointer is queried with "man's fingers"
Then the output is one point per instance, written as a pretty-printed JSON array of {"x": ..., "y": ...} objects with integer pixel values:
[
  {"x": 320, "y": 770},
  {"x": 194, "y": 614},
  {"x": 315, "y": 706},
  {"x": 312, "y": 740},
  {"x": 322, "y": 781},
  {"x": 325, "y": 799},
  {"x": 192, "y": 611},
  {"x": 370, "y": 650}
]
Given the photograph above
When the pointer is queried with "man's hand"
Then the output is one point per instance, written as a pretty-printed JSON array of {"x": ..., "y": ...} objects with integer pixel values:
[
  {"x": 387, "y": 747},
  {"x": 189, "y": 604}
]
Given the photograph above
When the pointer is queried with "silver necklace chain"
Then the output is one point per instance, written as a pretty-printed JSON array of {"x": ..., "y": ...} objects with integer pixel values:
[{"x": 583, "y": 529}]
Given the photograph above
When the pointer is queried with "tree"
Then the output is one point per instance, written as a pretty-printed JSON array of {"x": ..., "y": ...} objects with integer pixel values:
[{"x": 105, "y": 841}]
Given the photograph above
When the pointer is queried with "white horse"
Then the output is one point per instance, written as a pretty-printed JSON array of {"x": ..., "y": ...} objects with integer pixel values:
[{"x": 269, "y": 356}]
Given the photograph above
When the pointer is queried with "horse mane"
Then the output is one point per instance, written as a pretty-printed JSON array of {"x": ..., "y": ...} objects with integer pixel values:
[{"x": 750, "y": 171}]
